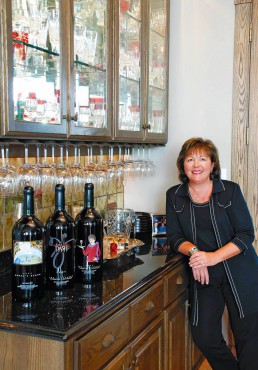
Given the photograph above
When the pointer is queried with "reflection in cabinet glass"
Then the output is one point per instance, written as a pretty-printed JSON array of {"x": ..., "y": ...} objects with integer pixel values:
[
  {"x": 36, "y": 61},
  {"x": 90, "y": 59},
  {"x": 129, "y": 65},
  {"x": 157, "y": 67}
]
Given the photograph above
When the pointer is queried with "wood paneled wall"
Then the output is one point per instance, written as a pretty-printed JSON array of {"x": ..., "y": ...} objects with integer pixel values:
[{"x": 245, "y": 105}]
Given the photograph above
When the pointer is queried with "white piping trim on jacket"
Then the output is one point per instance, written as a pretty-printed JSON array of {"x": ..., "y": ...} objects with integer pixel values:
[{"x": 230, "y": 278}]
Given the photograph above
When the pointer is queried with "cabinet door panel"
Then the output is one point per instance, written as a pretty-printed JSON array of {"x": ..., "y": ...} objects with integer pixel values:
[
  {"x": 148, "y": 348},
  {"x": 157, "y": 90},
  {"x": 90, "y": 96},
  {"x": 129, "y": 71},
  {"x": 176, "y": 332},
  {"x": 35, "y": 99},
  {"x": 120, "y": 362}
]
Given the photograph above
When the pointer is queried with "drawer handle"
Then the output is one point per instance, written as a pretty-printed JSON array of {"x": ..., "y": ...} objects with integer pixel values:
[
  {"x": 179, "y": 280},
  {"x": 108, "y": 340},
  {"x": 149, "y": 306}
]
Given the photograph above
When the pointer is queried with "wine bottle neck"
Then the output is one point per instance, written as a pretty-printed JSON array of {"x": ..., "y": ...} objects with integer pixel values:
[
  {"x": 59, "y": 198},
  {"x": 28, "y": 205},
  {"x": 89, "y": 197}
]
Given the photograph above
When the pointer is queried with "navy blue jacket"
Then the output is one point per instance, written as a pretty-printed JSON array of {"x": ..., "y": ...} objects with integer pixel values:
[{"x": 231, "y": 223}]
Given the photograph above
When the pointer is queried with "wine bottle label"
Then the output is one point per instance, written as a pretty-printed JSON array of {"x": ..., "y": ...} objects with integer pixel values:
[
  {"x": 27, "y": 253},
  {"x": 60, "y": 255},
  {"x": 91, "y": 251}
]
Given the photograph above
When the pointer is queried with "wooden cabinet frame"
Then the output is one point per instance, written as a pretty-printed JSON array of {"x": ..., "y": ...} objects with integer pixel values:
[{"x": 245, "y": 105}]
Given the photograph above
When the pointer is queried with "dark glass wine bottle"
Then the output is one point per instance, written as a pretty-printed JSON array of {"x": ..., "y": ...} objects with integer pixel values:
[
  {"x": 89, "y": 240},
  {"x": 59, "y": 245},
  {"x": 27, "y": 249}
]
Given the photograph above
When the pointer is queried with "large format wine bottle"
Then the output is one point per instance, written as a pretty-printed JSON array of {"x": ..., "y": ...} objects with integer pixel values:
[
  {"x": 59, "y": 245},
  {"x": 27, "y": 248},
  {"x": 89, "y": 240}
]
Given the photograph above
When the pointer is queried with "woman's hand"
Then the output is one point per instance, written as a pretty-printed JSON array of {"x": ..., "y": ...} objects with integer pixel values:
[
  {"x": 203, "y": 259},
  {"x": 201, "y": 274}
]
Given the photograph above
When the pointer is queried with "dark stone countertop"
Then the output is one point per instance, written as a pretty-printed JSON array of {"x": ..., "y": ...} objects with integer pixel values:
[{"x": 61, "y": 315}]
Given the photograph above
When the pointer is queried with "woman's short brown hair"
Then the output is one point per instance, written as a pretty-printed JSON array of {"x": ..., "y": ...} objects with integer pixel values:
[{"x": 194, "y": 145}]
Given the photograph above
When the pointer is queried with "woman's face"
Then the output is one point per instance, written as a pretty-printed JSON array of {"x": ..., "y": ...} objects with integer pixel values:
[{"x": 198, "y": 166}]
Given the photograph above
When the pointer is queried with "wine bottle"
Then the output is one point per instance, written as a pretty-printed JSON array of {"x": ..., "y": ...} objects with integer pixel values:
[
  {"x": 59, "y": 245},
  {"x": 27, "y": 250},
  {"x": 89, "y": 240}
]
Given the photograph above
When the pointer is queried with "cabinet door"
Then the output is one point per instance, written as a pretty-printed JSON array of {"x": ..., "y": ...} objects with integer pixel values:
[
  {"x": 35, "y": 73},
  {"x": 142, "y": 83},
  {"x": 176, "y": 332},
  {"x": 120, "y": 362},
  {"x": 157, "y": 82},
  {"x": 148, "y": 347},
  {"x": 129, "y": 69},
  {"x": 91, "y": 97}
]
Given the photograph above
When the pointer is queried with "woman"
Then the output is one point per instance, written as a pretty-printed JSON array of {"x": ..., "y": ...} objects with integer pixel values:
[{"x": 208, "y": 220}]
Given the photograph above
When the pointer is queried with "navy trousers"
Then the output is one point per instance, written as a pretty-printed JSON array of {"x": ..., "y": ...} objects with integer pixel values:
[{"x": 208, "y": 335}]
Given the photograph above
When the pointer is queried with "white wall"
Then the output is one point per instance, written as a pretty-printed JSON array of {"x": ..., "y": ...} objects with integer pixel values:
[{"x": 200, "y": 93}]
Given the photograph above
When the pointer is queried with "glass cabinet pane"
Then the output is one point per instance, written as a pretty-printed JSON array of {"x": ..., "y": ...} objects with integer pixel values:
[
  {"x": 36, "y": 61},
  {"x": 129, "y": 65},
  {"x": 157, "y": 94},
  {"x": 90, "y": 60}
]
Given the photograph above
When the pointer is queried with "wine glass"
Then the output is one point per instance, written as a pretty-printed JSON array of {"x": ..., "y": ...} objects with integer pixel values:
[
  {"x": 7, "y": 178},
  {"x": 112, "y": 171},
  {"x": 47, "y": 175},
  {"x": 27, "y": 174},
  {"x": 89, "y": 168},
  {"x": 77, "y": 173},
  {"x": 150, "y": 164},
  {"x": 128, "y": 163},
  {"x": 120, "y": 169},
  {"x": 101, "y": 175},
  {"x": 63, "y": 175}
]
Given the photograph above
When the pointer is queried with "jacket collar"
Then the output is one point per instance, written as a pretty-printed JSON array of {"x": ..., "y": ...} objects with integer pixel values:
[{"x": 182, "y": 189}]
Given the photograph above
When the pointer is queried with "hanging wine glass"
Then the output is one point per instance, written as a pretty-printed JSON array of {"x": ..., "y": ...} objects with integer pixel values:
[
  {"x": 89, "y": 168},
  {"x": 150, "y": 164},
  {"x": 120, "y": 170},
  {"x": 128, "y": 163},
  {"x": 112, "y": 171},
  {"x": 7, "y": 178},
  {"x": 47, "y": 175},
  {"x": 8, "y": 165},
  {"x": 140, "y": 167},
  {"x": 77, "y": 172},
  {"x": 101, "y": 174},
  {"x": 27, "y": 174},
  {"x": 63, "y": 175}
]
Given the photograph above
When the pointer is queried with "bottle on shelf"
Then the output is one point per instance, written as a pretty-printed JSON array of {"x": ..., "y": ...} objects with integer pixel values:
[
  {"x": 89, "y": 240},
  {"x": 27, "y": 250},
  {"x": 59, "y": 245}
]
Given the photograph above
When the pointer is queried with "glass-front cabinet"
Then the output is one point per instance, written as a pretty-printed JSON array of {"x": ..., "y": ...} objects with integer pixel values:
[
  {"x": 143, "y": 69},
  {"x": 84, "y": 69}
]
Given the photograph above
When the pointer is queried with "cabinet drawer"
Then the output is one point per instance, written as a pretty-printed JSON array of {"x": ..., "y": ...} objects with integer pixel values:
[
  {"x": 146, "y": 307},
  {"x": 97, "y": 347},
  {"x": 175, "y": 283}
]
